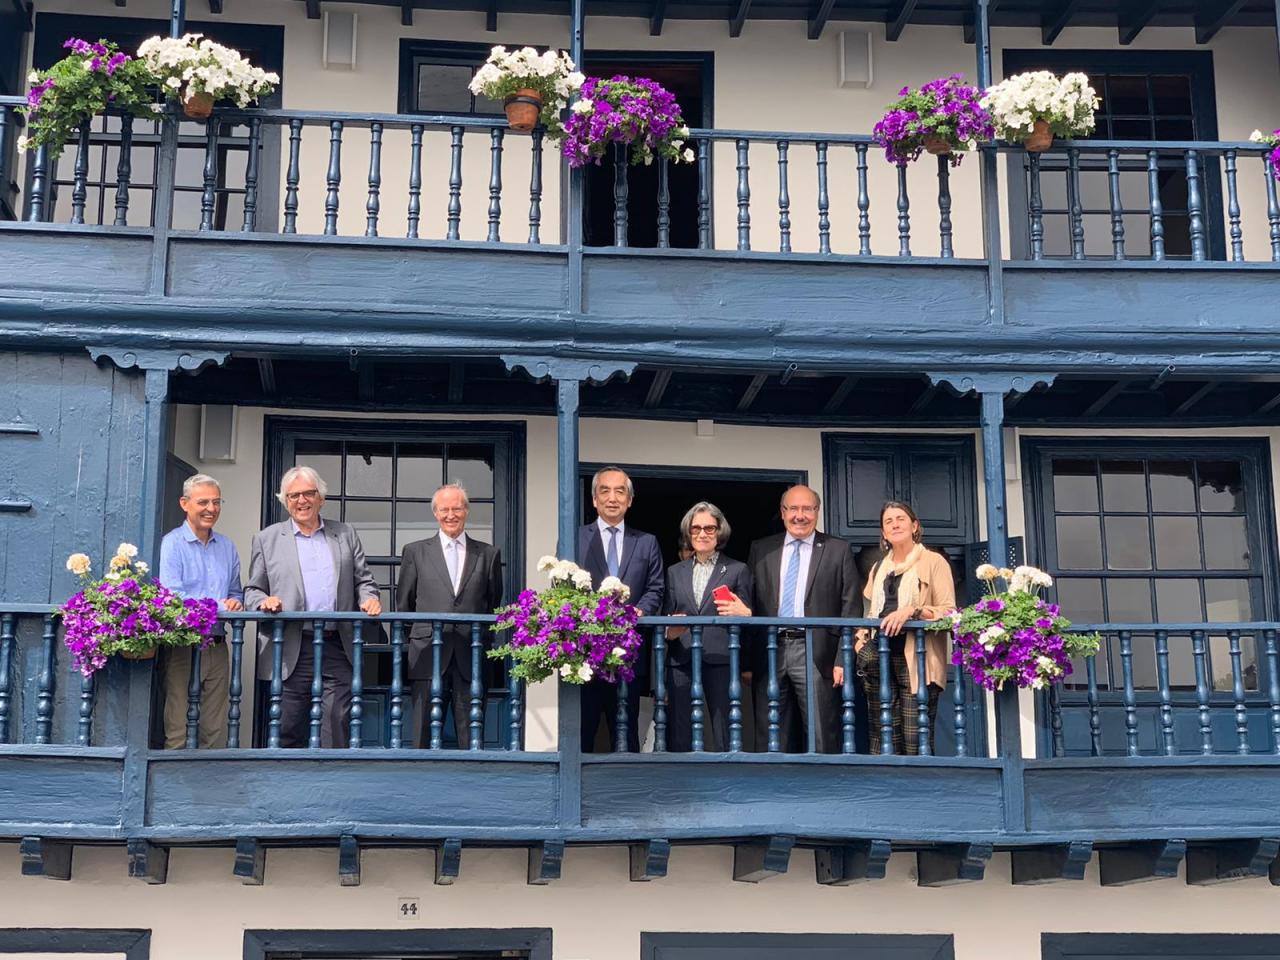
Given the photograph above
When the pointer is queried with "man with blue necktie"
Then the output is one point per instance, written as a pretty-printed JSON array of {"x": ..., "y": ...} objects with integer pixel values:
[
  {"x": 609, "y": 548},
  {"x": 801, "y": 573}
]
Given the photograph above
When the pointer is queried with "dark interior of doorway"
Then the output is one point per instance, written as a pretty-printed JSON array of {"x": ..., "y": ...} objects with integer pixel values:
[{"x": 687, "y": 81}]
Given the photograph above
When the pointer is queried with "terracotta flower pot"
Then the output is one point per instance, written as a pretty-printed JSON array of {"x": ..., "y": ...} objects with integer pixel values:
[
  {"x": 1041, "y": 138},
  {"x": 145, "y": 655},
  {"x": 198, "y": 106},
  {"x": 938, "y": 146},
  {"x": 523, "y": 108}
]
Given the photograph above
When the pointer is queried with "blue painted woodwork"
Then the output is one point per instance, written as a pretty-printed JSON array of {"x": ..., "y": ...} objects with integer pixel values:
[
  {"x": 1236, "y": 860},
  {"x": 762, "y": 859},
  {"x": 147, "y": 861},
  {"x": 949, "y": 864},
  {"x": 1193, "y": 946},
  {"x": 1066, "y": 861},
  {"x": 448, "y": 862},
  {"x": 131, "y": 944},
  {"x": 251, "y": 862},
  {"x": 533, "y": 943},
  {"x": 1140, "y": 862},
  {"x": 796, "y": 946},
  {"x": 648, "y": 860},
  {"x": 855, "y": 862}
]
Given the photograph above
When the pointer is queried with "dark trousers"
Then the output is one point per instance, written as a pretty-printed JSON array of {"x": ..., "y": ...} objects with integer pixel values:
[
  {"x": 715, "y": 707},
  {"x": 793, "y": 703},
  {"x": 455, "y": 690},
  {"x": 600, "y": 702},
  {"x": 335, "y": 674},
  {"x": 903, "y": 705}
]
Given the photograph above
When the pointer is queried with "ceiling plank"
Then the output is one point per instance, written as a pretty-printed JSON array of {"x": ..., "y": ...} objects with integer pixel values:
[
  {"x": 1106, "y": 397},
  {"x": 753, "y": 389},
  {"x": 739, "y": 18},
  {"x": 313, "y": 9},
  {"x": 657, "y": 388},
  {"x": 267, "y": 376},
  {"x": 491, "y": 16},
  {"x": 898, "y": 20},
  {"x": 818, "y": 22},
  {"x": 925, "y": 398},
  {"x": 406, "y": 13},
  {"x": 1133, "y": 17},
  {"x": 1267, "y": 407},
  {"x": 457, "y": 379},
  {"x": 1213, "y": 15},
  {"x": 1195, "y": 398},
  {"x": 1056, "y": 19},
  {"x": 657, "y": 14},
  {"x": 841, "y": 395}
]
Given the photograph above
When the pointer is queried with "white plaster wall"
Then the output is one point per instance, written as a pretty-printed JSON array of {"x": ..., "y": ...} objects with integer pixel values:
[
  {"x": 595, "y": 912},
  {"x": 799, "y": 92}
]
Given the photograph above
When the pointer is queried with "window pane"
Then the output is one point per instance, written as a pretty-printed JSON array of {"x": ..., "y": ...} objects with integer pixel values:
[
  {"x": 1174, "y": 128},
  {"x": 420, "y": 470},
  {"x": 1221, "y": 488},
  {"x": 1129, "y": 601},
  {"x": 1124, "y": 486},
  {"x": 1131, "y": 129},
  {"x": 1171, "y": 94},
  {"x": 1226, "y": 543},
  {"x": 1075, "y": 486},
  {"x": 442, "y": 88},
  {"x": 480, "y": 522},
  {"x": 414, "y": 521},
  {"x": 1182, "y": 663},
  {"x": 368, "y": 470},
  {"x": 1128, "y": 543},
  {"x": 1144, "y": 660},
  {"x": 1178, "y": 601},
  {"x": 869, "y": 486},
  {"x": 472, "y": 466},
  {"x": 1127, "y": 95},
  {"x": 1177, "y": 543},
  {"x": 1080, "y": 599},
  {"x": 1079, "y": 543},
  {"x": 1173, "y": 486},
  {"x": 1227, "y": 601},
  {"x": 325, "y": 458},
  {"x": 372, "y": 520},
  {"x": 1220, "y": 659}
]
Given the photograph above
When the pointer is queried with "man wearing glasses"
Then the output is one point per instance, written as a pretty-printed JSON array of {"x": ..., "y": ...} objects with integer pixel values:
[
  {"x": 801, "y": 573},
  {"x": 198, "y": 563},
  {"x": 308, "y": 563}
]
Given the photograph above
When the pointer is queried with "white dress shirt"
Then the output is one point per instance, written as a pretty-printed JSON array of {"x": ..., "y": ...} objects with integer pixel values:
[
  {"x": 806, "y": 554},
  {"x": 459, "y": 545},
  {"x": 604, "y": 540}
]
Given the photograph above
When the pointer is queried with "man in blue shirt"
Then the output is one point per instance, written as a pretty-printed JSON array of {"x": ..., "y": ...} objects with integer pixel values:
[{"x": 196, "y": 562}]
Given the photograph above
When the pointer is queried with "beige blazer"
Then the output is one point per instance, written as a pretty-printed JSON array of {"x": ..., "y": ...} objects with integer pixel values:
[{"x": 936, "y": 599}]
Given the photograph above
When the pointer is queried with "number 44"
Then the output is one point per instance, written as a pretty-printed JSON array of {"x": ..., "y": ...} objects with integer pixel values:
[{"x": 408, "y": 908}]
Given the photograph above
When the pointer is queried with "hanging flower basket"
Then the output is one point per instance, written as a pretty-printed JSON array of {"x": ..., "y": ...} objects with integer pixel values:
[
  {"x": 1033, "y": 108},
  {"x": 523, "y": 108},
  {"x": 943, "y": 117},
  {"x": 634, "y": 112},
  {"x": 1041, "y": 138},
  {"x": 198, "y": 106},
  {"x": 533, "y": 87},
  {"x": 1271, "y": 140},
  {"x": 938, "y": 146}
]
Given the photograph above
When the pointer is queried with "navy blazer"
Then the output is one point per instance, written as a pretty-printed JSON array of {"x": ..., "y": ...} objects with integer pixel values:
[
  {"x": 640, "y": 566},
  {"x": 715, "y": 640}
]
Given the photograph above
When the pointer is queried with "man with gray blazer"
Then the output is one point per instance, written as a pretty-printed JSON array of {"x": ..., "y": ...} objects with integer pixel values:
[
  {"x": 308, "y": 563},
  {"x": 448, "y": 573}
]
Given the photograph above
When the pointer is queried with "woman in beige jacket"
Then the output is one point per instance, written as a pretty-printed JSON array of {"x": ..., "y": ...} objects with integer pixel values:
[{"x": 909, "y": 583}]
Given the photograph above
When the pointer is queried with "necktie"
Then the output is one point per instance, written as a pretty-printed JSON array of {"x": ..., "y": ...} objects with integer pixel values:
[
  {"x": 790, "y": 581},
  {"x": 612, "y": 553},
  {"x": 451, "y": 561}
]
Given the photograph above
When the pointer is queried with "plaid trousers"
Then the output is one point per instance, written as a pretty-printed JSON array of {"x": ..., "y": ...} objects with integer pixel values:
[{"x": 903, "y": 705}]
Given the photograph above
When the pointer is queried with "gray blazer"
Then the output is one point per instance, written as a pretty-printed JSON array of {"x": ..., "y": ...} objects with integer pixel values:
[
  {"x": 274, "y": 572},
  {"x": 423, "y": 587}
]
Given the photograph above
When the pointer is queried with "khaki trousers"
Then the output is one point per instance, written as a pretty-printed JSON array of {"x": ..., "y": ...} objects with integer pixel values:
[{"x": 215, "y": 677}]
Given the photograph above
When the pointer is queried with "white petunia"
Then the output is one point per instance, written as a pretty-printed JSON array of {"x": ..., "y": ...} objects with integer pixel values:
[
  {"x": 173, "y": 83},
  {"x": 566, "y": 670},
  {"x": 546, "y": 562},
  {"x": 618, "y": 652},
  {"x": 584, "y": 672},
  {"x": 141, "y": 568},
  {"x": 688, "y": 155},
  {"x": 1256, "y": 137},
  {"x": 33, "y": 77},
  {"x": 583, "y": 106},
  {"x": 23, "y": 142}
]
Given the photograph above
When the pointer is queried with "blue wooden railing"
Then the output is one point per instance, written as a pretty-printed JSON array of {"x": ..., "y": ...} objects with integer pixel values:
[
  {"x": 1212, "y": 170},
  {"x": 1235, "y": 706}
]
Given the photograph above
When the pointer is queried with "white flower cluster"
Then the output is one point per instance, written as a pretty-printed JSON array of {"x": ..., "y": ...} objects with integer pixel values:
[
  {"x": 1270, "y": 139},
  {"x": 552, "y": 71},
  {"x": 192, "y": 64},
  {"x": 583, "y": 671},
  {"x": 1020, "y": 580},
  {"x": 1066, "y": 103},
  {"x": 567, "y": 571}
]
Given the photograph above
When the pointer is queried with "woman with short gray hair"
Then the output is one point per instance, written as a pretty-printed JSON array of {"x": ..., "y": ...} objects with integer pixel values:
[{"x": 707, "y": 584}]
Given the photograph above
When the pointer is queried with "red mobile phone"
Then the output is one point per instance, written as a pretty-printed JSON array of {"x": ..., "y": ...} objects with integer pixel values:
[{"x": 722, "y": 593}]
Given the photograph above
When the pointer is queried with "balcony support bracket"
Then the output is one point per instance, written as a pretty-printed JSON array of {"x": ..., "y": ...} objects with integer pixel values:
[
  {"x": 147, "y": 861},
  {"x": 1139, "y": 862},
  {"x": 761, "y": 859},
  {"x": 251, "y": 862},
  {"x": 1231, "y": 860},
  {"x": 1065, "y": 861},
  {"x": 545, "y": 861},
  {"x": 448, "y": 862},
  {"x": 45, "y": 858},
  {"x": 649, "y": 859},
  {"x": 849, "y": 863},
  {"x": 348, "y": 861},
  {"x": 952, "y": 863}
]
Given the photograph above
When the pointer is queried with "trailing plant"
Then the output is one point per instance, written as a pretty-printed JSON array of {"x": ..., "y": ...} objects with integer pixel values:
[
  {"x": 1271, "y": 140},
  {"x": 636, "y": 112},
  {"x": 184, "y": 67},
  {"x": 1065, "y": 103},
  {"x": 946, "y": 109}
]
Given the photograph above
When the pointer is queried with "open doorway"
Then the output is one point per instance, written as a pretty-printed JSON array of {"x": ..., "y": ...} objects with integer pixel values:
[
  {"x": 688, "y": 76},
  {"x": 748, "y": 498}
]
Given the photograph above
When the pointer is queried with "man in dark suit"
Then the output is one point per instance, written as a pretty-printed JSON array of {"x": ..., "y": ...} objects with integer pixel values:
[
  {"x": 801, "y": 573},
  {"x": 607, "y": 548},
  {"x": 448, "y": 573}
]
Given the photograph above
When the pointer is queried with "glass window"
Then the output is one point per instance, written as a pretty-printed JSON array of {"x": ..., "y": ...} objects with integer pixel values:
[{"x": 442, "y": 74}]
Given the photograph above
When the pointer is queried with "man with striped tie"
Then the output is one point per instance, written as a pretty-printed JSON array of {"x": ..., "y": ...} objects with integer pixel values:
[{"x": 800, "y": 573}]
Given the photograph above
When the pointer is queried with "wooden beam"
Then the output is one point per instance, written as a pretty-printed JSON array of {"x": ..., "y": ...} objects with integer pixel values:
[
  {"x": 739, "y": 18},
  {"x": 121, "y": 3},
  {"x": 819, "y": 18},
  {"x": 1195, "y": 398},
  {"x": 1063, "y": 861},
  {"x": 753, "y": 389},
  {"x": 1213, "y": 15},
  {"x": 545, "y": 861},
  {"x": 1229, "y": 860},
  {"x": 406, "y": 13},
  {"x": 1056, "y": 19},
  {"x": 1140, "y": 862},
  {"x": 1105, "y": 398},
  {"x": 491, "y": 16},
  {"x": 313, "y": 9},
  {"x": 457, "y": 381},
  {"x": 251, "y": 862},
  {"x": 267, "y": 376},
  {"x": 45, "y": 858},
  {"x": 1275, "y": 872},
  {"x": 215, "y": 6},
  {"x": 147, "y": 861},
  {"x": 851, "y": 862},
  {"x": 841, "y": 395},
  {"x": 448, "y": 862},
  {"x": 648, "y": 860},
  {"x": 899, "y": 18},
  {"x": 367, "y": 382},
  {"x": 657, "y": 388},
  {"x": 952, "y": 863},
  {"x": 657, "y": 14},
  {"x": 348, "y": 861},
  {"x": 761, "y": 859},
  {"x": 925, "y": 398},
  {"x": 1133, "y": 16},
  {"x": 1268, "y": 406}
]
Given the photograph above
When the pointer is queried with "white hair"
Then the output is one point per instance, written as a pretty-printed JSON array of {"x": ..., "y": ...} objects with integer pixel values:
[
  {"x": 199, "y": 480},
  {"x": 595, "y": 480},
  {"x": 455, "y": 485},
  {"x": 306, "y": 473}
]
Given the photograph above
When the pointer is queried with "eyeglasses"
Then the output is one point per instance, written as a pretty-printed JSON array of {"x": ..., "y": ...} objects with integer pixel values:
[
  {"x": 446, "y": 511},
  {"x": 698, "y": 530},
  {"x": 302, "y": 495},
  {"x": 206, "y": 503},
  {"x": 801, "y": 508}
]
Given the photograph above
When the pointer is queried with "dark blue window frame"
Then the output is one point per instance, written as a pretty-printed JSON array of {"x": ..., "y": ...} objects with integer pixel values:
[
  {"x": 134, "y": 944},
  {"x": 797, "y": 946},
  {"x": 1159, "y": 946},
  {"x": 529, "y": 943}
]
